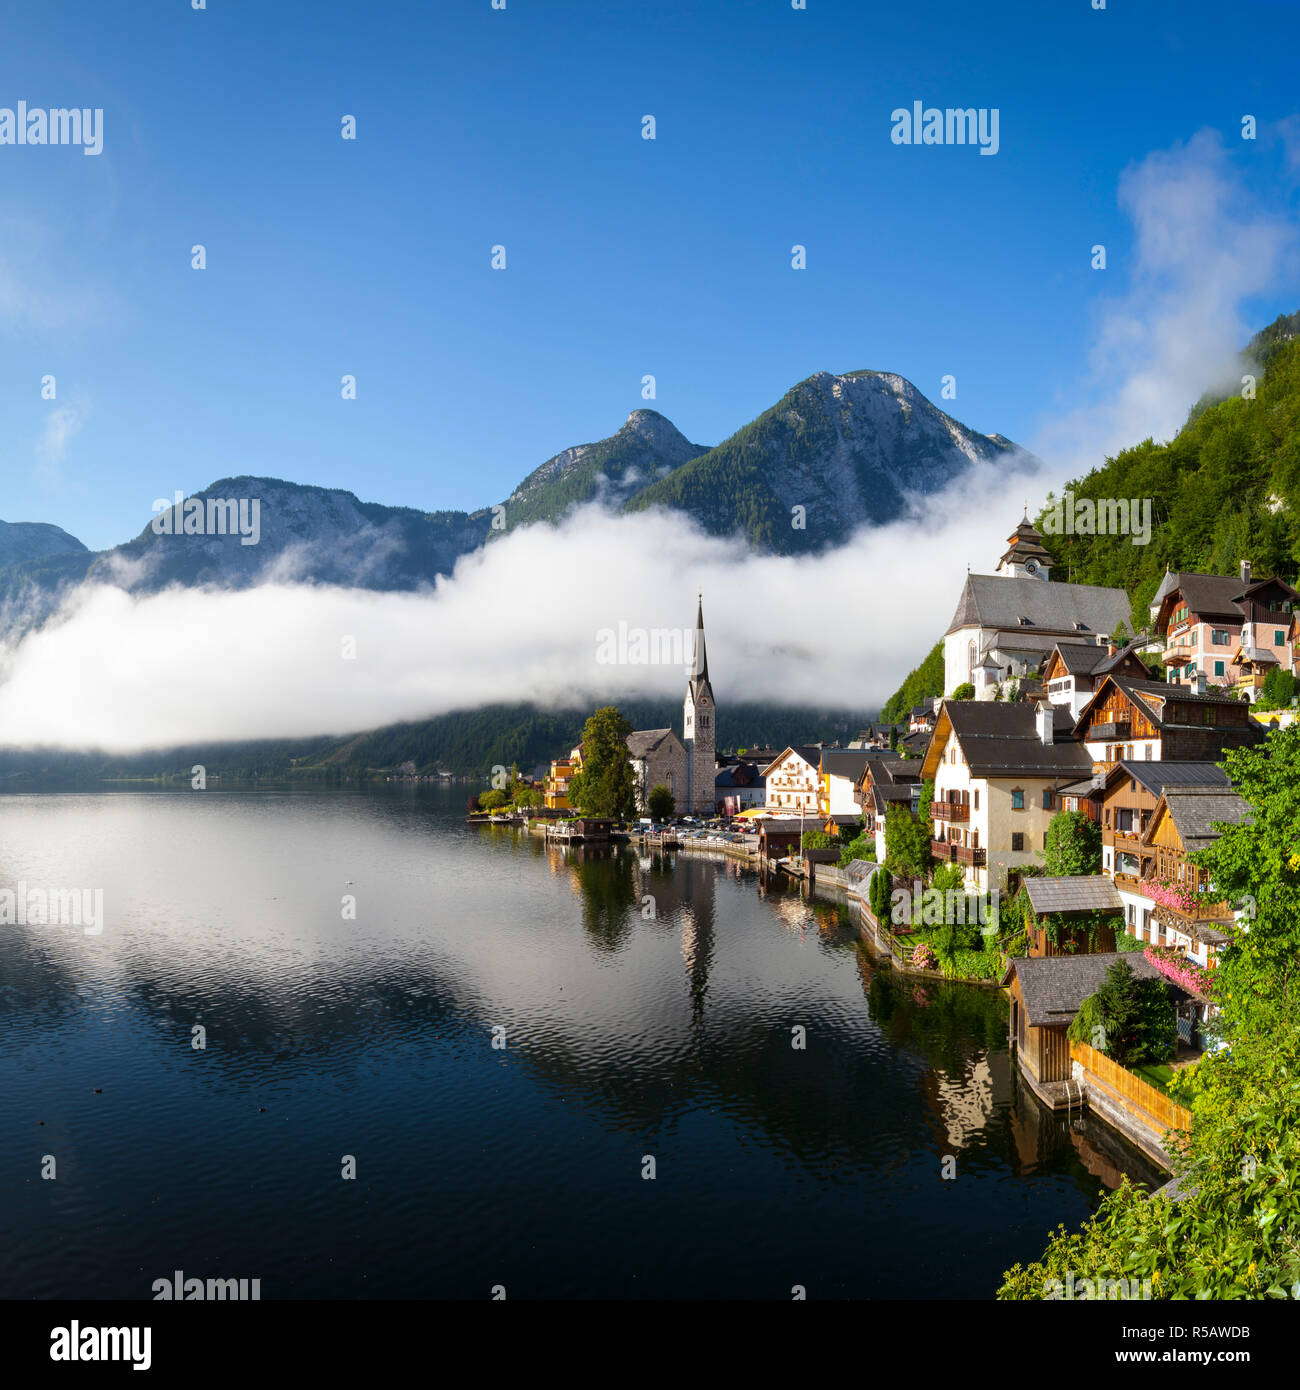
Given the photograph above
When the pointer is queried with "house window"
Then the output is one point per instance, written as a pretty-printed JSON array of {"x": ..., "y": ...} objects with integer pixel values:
[
  {"x": 1219, "y": 637},
  {"x": 1279, "y": 638},
  {"x": 1218, "y": 668},
  {"x": 976, "y": 795},
  {"x": 1018, "y": 799},
  {"x": 1017, "y": 842},
  {"x": 1047, "y": 798}
]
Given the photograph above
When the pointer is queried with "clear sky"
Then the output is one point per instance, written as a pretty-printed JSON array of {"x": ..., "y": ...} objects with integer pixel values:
[{"x": 625, "y": 256}]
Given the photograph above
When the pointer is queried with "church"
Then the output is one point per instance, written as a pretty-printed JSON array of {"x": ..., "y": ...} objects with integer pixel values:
[
  {"x": 686, "y": 766},
  {"x": 1009, "y": 621}
]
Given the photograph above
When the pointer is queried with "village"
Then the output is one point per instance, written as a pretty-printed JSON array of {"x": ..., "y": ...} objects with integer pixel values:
[{"x": 1033, "y": 829}]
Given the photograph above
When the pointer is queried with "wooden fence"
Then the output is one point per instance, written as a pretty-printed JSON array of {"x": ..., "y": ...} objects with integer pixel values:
[{"x": 1131, "y": 1087}]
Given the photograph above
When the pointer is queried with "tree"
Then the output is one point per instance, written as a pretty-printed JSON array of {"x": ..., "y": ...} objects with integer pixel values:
[
  {"x": 1073, "y": 845},
  {"x": 661, "y": 803},
  {"x": 879, "y": 894},
  {"x": 1120, "y": 637},
  {"x": 1277, "y": 691},
  {"x": 605, "y": 786},
  {"x": 490, "y": 801},
  {"x": 1255, "y": 864},
  {"x": 1129, "y": 1018},
  {"x": 965, "y": 691},
  {"x": 907, "y": 843}
]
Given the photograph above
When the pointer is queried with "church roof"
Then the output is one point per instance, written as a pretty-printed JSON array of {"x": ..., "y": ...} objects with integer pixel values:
[
  {"x": 642, "y": 742},
  {"x": 1038, "y": 605},
  {"x": 1025, "y": 543},
  {"x": 700, "y": 664}
]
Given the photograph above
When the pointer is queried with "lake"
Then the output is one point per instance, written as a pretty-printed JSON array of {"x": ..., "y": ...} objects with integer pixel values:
[{"x": 649, "y": 1010}]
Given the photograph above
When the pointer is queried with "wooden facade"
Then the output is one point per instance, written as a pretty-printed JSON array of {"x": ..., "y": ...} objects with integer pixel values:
[{"x": 1043, "y": 1052}]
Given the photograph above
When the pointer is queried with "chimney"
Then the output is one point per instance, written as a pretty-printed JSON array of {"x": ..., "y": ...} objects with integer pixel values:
[
  {"x": 1245, "y": 571},
  {"x": 1111, "y": 649},
  {"x": 1043, "y": 719},
  {"x": 1198, "y": 677}
]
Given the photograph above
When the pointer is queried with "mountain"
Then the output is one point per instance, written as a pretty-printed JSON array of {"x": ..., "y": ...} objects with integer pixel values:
[
  {"x": 309, "y": 534},
  {"x": 848, "y": 449},
  {"x": 21, "y": 541},
  {"x": 647, "y": 448}
]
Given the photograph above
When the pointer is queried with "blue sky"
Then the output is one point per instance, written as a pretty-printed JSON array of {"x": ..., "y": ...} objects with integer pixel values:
[{"x": 625, "y": 256}]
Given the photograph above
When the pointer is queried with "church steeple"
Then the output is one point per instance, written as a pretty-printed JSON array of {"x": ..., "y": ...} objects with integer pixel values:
[
  {"x": 700, "y": 660},
  {"x": 698, "y": 729},
  {"x": 1026, "y": 557}
]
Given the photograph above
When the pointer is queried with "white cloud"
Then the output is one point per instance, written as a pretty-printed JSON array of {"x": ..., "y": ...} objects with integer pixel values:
[
  {"x": 62, "y": 425},
  {"x": 1201, "y": 252}
]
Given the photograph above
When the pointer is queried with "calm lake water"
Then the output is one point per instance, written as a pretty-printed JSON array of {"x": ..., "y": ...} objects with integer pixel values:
[{"x": 626, "y": 1037}]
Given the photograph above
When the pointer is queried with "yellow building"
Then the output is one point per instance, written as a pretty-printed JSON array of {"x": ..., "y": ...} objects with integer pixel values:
[{"x": 563, "y": 770}]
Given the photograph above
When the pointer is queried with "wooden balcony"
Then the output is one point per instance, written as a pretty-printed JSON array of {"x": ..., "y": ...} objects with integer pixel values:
[
  {"x": 1110, "y": 733},
  {"x": 949, "y": 811},
  {"x": 948, "y": 853}
]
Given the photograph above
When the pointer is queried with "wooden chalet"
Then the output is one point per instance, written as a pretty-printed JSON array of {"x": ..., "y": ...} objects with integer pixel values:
[
  {"x": 1152, "y": 721},
  {"x": 1073, "y": 670},
  {"x": 1187, "y": 914}
]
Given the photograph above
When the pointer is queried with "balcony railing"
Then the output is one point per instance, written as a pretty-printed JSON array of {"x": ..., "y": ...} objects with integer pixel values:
[
  {"x": 948, "y": 853},
  {"x": 1107, "y": 733},
  {"x": 949, "y": 811}
]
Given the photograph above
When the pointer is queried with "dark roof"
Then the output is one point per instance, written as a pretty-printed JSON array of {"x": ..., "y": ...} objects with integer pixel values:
[
  {"x": 1152, "y": 698},
  {"x": 739, "y": 775},
  {"x": 1074, "y": 893},
  {"x": 1001, "y": 740},
  {"x": 643, "y": 741},
  {"x": 1081, "y": 658},
  {"x": 1001, "y": 601},
  {"x": 1025, "y": 543},
  {"x": 1053, "y": 987},
  {"x": 1196, "y": 810},
  {"x": 845, "y": 762},
  {"x": 1204, "y": 594},
  {"x": 1156, "y": 776}
]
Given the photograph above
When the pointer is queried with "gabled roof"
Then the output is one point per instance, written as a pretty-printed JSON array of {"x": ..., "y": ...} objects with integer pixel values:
[
  {"x": 1156, "y": 776},
  {"x": 1053, "y": 987},
  {"x": 1001, "y": 602},
  {"x": 812, "y": 756},
  {"x": 1207, "y": 595},
  {"x": 1074, "y": 893},
  {"x": 844, "y": 762},
  {"x": 1195, "y": 811},
  {"x": 1001, "y": 740},
  {"x": 1152, "y": 697},
  {"x": 1080, "y": 658},
  {"x": 642, "y": 742}
]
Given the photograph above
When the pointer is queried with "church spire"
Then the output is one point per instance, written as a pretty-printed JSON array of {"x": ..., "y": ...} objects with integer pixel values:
[{"x": 700, "y": 666}]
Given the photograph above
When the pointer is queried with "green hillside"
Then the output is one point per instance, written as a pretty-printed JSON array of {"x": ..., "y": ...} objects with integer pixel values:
[
  {"x": 1226, "y": 488},
  {"x": 466, "y": 741}
]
